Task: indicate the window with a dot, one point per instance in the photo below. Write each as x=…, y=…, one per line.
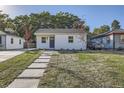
x=19, y=41
x=0, y=39
x=70, y=39
x=108, y=40
x=101, y=41
x=43, y=39
x=11, y=40
x=122, y=38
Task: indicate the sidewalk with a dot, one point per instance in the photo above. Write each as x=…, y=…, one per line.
x=30, y=77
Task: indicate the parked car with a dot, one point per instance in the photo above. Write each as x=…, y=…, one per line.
x=94, y=45
x=99, y=46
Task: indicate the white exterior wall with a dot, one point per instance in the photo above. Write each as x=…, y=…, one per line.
x=118, y=43
x=61, y=42
x=41, y=45
x=2, y=42
x=106, y=44
x=103, y=40
x=15, y=44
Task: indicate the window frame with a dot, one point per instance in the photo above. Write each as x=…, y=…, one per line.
x=121, y=40
x=20, y=41
x=70, y=39
x=43, y=39
x=108, y=40
x=12, y=41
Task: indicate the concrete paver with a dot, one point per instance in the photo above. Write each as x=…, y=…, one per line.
x=45, y=54
x=45, y=57
x=5, y=55
x=30, y=77
x=32, y=73
x=24, y=83
x=38, y=65
x=42, y=60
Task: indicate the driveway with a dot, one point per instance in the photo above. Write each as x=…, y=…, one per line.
x=5, y=55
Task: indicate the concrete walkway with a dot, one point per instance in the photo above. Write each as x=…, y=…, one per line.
x=5, y=55
x=30, y=77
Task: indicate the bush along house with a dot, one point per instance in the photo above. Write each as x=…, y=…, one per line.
x=111, y=40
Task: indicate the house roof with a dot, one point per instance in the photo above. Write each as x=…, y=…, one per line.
x=9, y=32
x=2, y=33
x=58, y=31
x=118, y=31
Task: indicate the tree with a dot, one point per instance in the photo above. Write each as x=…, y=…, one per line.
x=3, y=18
x=115, y=25
x=64, y=20
x=24, y=28
x=28, y=24
x=87, y=29
x=9, y=24
x=96, y=31
x=102, y=29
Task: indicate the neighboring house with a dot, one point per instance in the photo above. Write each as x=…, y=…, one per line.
x=111, y=40
x=10, y=40
x=61, y=39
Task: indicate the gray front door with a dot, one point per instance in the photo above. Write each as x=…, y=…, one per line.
x=52, y=42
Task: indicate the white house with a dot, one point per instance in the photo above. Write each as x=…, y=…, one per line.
x=61, y=39
x=111, y=40
x=10, y=40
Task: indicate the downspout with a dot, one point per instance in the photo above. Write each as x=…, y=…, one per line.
x=113, y=41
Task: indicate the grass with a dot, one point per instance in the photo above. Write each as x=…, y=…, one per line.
x=11, y=68
x=85, y=69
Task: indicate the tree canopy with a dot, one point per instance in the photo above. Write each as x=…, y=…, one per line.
x=115, y=25
x=26, y=25
x=102, y=29
x=105, y=28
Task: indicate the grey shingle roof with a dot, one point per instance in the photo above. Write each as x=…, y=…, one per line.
x=8, y=33
x=2, y=33
x=58, y=31
x=109, y=32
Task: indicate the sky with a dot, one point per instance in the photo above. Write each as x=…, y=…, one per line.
x=94, y=15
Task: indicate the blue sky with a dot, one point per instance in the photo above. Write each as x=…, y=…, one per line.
x=95, y=16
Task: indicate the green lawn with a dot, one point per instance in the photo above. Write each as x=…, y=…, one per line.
x=11, y=68
x=85, y=69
